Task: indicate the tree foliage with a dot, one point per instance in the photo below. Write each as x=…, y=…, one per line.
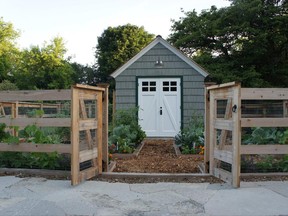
x=117, y=45
x=44, y=67
x=84, y=74
x=247, y=41
x=8, y=49
x=6, y=85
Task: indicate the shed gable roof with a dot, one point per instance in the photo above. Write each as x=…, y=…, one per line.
x=160, y=40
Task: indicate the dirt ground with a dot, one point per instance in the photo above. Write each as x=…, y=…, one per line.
x=158, y=156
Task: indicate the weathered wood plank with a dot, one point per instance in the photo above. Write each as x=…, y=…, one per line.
x=99, y=132
x=40, y=122
x=223, y=124
x=87, y=95
x=31, y=147
x=87, y=125
x=81, y=86
x=75, y=166
x=88, y=154
x=264, y=122
x=264, y=94
x=222, y=94
x=264, y=149
x=223, y=155
x=225, y=85
x=35, y=95
x=224, y=175
x=87, y=174
x=105, y=112
x=236, y=136
x=228, y=114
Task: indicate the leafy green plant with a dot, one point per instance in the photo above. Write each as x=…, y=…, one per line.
x=191, y=138
x=266, y=135
x=122, y=137
x=35, y=113
x=3, y=134
x=266, y=164
x=127, y=133
x=33, y=134
x=283, y=164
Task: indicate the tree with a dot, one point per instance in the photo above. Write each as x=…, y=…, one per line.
x=117, y=45
x=84, y=74
x=247, y=41
x=8, y=49
x=6, y=85
x=44, y=67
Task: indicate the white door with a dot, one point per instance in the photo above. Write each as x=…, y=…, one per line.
x=159, y=101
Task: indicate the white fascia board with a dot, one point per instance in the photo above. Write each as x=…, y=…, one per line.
x=182, y=56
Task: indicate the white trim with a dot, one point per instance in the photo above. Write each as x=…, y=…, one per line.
x=157, y=40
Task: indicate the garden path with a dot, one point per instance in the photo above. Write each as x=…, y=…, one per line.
x=158, y=156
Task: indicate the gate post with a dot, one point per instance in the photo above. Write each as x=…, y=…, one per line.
x=105, y=104
x=207, y=127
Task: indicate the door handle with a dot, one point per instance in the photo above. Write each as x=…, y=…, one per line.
x=160, y=110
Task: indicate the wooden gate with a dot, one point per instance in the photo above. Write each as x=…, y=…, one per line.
x=229, y=110
x=223, y=112
x=86, y=117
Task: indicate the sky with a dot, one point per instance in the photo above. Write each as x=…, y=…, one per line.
x=80, y=22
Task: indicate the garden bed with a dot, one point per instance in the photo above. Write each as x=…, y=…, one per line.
x=158, y=156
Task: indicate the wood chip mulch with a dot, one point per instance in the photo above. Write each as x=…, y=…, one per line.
x=158, y=156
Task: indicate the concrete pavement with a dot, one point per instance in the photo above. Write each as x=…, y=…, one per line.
x=38, y=196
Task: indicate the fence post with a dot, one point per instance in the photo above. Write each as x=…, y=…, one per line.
x=236, y=136
x=105, y=104
x=75, y=167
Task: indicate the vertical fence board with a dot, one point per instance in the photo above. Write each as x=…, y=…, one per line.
x=236, y=136
x=99, y=131
x=75, y=167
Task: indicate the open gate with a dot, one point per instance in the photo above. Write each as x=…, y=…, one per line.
x=87, y=129
x=223, y=132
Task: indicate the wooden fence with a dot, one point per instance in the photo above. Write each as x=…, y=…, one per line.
x=223, y=131
x=94, y=148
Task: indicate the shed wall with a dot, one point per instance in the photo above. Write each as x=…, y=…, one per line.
x=192, y=86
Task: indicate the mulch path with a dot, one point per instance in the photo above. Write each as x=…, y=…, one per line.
x=158, y=156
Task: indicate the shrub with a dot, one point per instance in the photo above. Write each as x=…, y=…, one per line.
x=6, y=85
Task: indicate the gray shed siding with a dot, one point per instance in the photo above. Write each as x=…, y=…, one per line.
x=192, y=86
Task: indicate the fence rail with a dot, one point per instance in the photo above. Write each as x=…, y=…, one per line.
x=94, y=149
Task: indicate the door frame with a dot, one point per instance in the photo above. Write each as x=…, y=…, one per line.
x=163, y=77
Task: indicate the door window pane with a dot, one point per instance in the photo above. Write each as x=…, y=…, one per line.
x=170, y=86
x=149, y=86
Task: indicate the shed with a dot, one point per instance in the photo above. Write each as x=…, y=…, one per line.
x=167, y=86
